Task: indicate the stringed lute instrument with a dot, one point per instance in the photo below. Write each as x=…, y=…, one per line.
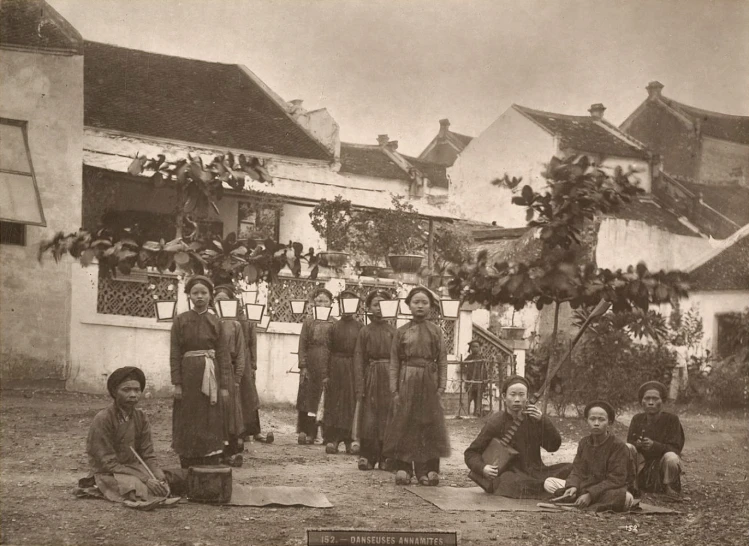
x=500, y=452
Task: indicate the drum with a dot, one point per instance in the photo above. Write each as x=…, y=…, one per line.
x=209, y=484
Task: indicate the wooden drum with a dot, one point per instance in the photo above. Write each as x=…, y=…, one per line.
x=209, y=484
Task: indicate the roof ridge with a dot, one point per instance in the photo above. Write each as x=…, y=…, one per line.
x=93, y=42
x=696, y=110
x=552, y=114
x=734, y=238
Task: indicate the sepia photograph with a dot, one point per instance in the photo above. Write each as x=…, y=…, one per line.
x=385, y=272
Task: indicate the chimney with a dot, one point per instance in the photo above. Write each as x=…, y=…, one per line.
x=444, y=126
x=382, y=140
x=295, y=105
x=596, y=110
x=654, y=89
x=392, y=145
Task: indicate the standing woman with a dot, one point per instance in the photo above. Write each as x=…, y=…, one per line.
x=340, y=395
x=248, y=388
x=371, y=369
x=200, y=370
x=233, y=339
x=416, y=431
x=313, y=365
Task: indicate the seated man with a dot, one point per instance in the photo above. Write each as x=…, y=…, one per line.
x=658, y=438
x=525, y=475
x=115, y=469
x=600, y=472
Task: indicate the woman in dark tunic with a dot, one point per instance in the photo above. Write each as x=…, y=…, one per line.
x=200, y=370
x=233, y=339
x=248, y=388
x=340, y=397
x=371, y=369
x=313, y=365
x=416, y=432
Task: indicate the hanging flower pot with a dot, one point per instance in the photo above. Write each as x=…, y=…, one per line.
x=333, y=258
x=406, y=263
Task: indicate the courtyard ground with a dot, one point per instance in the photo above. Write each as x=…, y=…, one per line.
x=42, y=442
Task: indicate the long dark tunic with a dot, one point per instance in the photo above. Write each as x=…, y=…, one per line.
x=247, y=386
x=340, y=398
x=313, y=356
x=416, y=429
x=526, y=474
x=233, y=339
x=117, y=472
x=667, y=434
x=197, y=425
x=602, y=471
x=371, y=372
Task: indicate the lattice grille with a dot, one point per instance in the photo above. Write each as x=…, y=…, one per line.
x=498, y=359
x=449, y=334
x=280, y=294
x=133, y=298
x=362, y=290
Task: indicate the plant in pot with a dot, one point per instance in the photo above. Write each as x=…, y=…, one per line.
x=396, y=234
x=332, y=220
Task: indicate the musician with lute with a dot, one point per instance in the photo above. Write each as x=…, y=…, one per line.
x=513, y=440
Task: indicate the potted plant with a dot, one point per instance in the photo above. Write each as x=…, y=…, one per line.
x=332, y=220
x=393, y=236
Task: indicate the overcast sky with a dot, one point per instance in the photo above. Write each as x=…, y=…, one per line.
x=398, y=66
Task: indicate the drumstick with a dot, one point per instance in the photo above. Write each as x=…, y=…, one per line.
x=143, y=463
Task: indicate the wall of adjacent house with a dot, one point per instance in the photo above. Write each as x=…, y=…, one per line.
x=46, y=91
x=712, y=304
x=724, y=162
x=513, y=145
x=668, y=135
x=626, y=242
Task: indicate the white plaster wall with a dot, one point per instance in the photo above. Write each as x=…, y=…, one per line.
x=296, y=225
x=626, y=242
x=712, y=304
x=46, y=91
x=512, y=144
x=323, y=127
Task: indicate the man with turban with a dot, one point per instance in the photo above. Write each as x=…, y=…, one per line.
x=115, y=432
x=655, y=440
x=525, y=475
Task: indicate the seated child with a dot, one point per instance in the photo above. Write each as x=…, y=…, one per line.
x=601, y=469
x=115, y=470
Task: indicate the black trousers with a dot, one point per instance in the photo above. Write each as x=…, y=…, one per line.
x=335, y=435
x=421, y=469
x=307, y=424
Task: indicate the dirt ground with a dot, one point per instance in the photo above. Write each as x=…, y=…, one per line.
x=42, y=446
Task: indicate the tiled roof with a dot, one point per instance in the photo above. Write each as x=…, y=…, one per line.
x=729, y=270
x=586, y=133
x=202, y=102
x=649, y=212
x=366, y=160
x=35, y=24
x=464, y=140
x=731, y=201
x=715, y=124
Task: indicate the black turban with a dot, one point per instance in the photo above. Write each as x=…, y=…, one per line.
x=652, y=385
x=512, y=380
x=120, y=375
x=608, y=408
